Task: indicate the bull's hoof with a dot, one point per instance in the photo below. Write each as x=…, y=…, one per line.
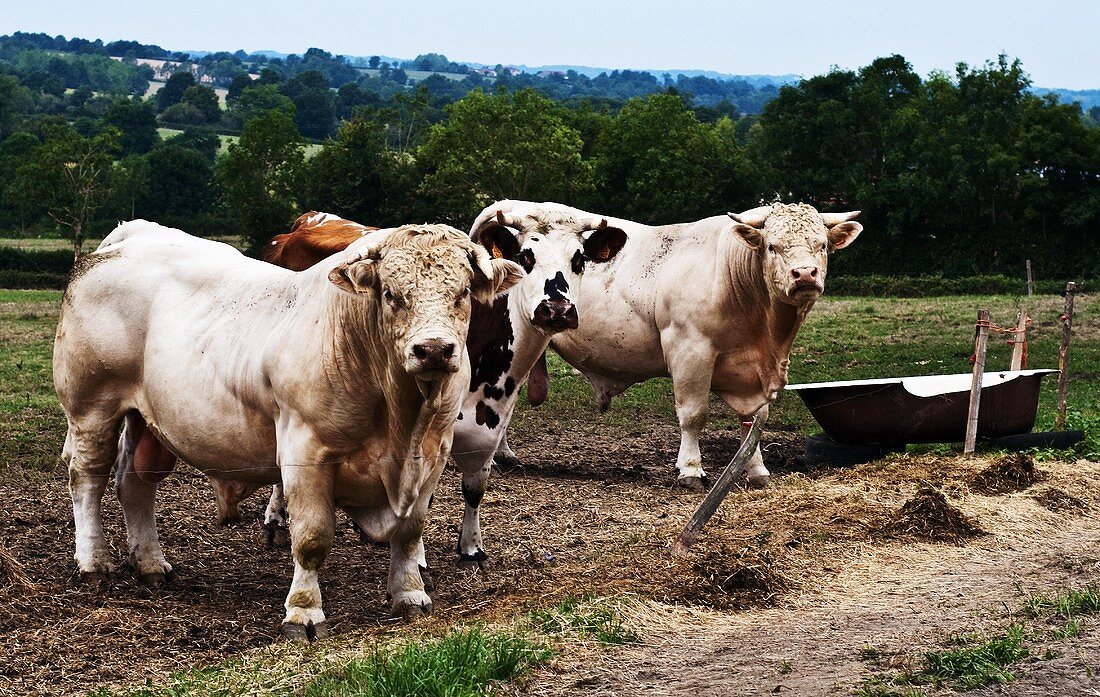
x=153, y=580
x=305, y=632
x=479, y=560
x=759, y=481
x=95, y=579
x=426, y=578
x=230, y=521
x=412, y=608
x=276, y=536
x=506, y=460
x=690, y=483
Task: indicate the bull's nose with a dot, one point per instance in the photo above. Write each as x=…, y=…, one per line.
x=555, y=314
x=434, y=354
x=804, y=274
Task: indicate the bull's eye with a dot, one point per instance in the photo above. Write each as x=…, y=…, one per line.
x=578, y=262
x=392, y=300
x=771, y=249
x=463, y=294
x=526, y=259
x=824, y=245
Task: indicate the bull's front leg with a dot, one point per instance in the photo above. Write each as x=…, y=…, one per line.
x=756, y=473
x=275, y=518
x=691, y=364
x=406, y=584
x=307, y=484
x=475, y=447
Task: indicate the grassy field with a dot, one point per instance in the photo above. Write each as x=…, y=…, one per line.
x=844, y=338
x=49, y=244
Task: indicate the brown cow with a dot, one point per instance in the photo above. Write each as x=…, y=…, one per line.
x=313, y=237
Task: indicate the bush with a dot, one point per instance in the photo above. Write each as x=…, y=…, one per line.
x=932, y=286
x=57, y=261
x=32, y=280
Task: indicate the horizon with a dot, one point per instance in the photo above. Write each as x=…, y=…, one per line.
x=1054, y=45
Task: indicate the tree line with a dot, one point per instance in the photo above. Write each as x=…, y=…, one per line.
x=958, y=173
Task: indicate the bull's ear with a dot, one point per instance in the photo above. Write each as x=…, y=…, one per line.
x=747, y=234
x=355, y=276
x=492, y=276
x=603, y=244
x=842, y=235
x=498, y=240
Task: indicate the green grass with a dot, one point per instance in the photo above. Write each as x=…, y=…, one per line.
x=1067, y=605
x=464, y=663
x=978, y=660
x=585, y=618
x=461, y=664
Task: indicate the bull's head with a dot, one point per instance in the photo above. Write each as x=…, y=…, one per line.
x=794, y=242
x=423, y=278
x=554, y=252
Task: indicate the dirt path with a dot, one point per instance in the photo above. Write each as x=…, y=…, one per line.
x=875, y=615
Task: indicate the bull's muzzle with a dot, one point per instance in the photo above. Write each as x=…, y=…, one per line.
x=556, y=315
x=432, y=356
x=806, y=282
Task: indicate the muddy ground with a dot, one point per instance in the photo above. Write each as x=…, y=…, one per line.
x=784, y=592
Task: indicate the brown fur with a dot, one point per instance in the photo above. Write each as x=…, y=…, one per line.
x=313, y=237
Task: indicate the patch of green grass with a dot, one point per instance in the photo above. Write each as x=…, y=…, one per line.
x=596, y=618
x=1066, y=605
x=461, y=664
x=978, y=660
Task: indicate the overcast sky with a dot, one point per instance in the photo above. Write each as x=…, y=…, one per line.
x=1057, y=41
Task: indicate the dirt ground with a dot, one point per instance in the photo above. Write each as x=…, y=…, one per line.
x=785, y=591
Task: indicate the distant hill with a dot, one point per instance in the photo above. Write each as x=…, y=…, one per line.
x=1086, y=98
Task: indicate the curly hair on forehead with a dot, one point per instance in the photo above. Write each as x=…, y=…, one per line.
x=787, y=216
x=424, y=237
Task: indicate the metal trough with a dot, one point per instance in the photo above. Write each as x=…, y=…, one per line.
x=922, y=409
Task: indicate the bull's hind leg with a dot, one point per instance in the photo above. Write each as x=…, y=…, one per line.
x=91, y=445
x=138, y=498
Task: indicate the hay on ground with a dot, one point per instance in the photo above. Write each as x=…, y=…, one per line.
x=928, y=516
x=1009, y=474
x=1058, y=501
x=11, y=571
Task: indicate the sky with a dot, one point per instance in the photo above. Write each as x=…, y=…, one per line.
x=1057, y=41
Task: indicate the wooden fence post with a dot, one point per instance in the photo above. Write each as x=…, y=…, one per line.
x=976, y=382
x=1030, y=280
x=1019, y=342
x=1063, y=362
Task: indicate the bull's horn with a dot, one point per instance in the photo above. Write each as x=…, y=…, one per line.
x=509, y=220
x=593, y=223
x=832, y=219
x=754, y=217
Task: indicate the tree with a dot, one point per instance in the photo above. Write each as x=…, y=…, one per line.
x=199, y=139
x=136, y=120
x=259, y=176
x=373, y=62
x=501, y=146
x=68, y=177
x=256, y=101
x=173, y=89
x=357, y=177
x=657, y=163
x=179, y=184
x=15, y=150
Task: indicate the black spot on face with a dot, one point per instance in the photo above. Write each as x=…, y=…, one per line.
x=578, y=262
x=526, y=259
x=555, y=288
x=509, y=386
x=492, y=392
x=486, y=416
x=459, y=417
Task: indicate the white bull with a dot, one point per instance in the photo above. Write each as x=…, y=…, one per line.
x=343, y=382
x=714, y=304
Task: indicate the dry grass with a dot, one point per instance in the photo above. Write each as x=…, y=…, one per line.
x=1009, y=474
